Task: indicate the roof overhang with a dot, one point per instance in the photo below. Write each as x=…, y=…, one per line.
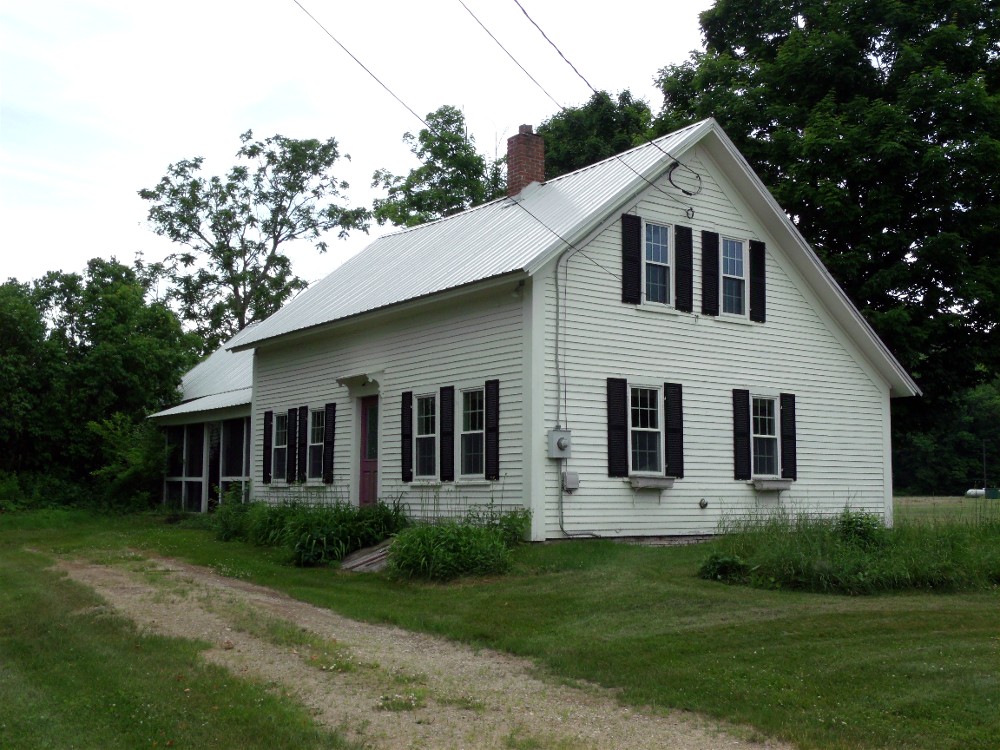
x=226, y=405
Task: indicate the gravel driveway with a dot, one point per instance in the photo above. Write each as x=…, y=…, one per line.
x=388, y=687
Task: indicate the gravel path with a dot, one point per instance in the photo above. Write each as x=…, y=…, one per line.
x=384, y=686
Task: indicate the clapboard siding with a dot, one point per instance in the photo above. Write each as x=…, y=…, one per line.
x=463, y=344
x=841, y=407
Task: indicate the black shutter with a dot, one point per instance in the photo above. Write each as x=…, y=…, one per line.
x=617, y=427
x=492, y=429
x=684, y=265
x=303, y=441
x=406, y=435
x=741, y=434
x=290, y=442
x=631, y=259
x=448, y=434
x=268, y=438
x=789, y=469
x=329, y=434
x=673, y=410
x=709, y=273
x=758, y=286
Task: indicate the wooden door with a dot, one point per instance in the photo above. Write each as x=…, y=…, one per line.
x=368, y=489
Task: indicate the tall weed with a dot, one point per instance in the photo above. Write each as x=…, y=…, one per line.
x=854, y=554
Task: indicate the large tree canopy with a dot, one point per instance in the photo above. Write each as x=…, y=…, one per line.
x=76, y=349
x=234, y=270
x=453, y=176
x=876, y=124
x=580, y=136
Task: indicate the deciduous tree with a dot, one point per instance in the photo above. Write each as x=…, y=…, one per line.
x=234, y=270
x=452, y=177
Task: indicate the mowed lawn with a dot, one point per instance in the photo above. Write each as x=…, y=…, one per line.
x=916, y=670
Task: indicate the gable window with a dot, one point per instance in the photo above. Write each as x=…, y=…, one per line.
x=472, y=440
x=657, y=263
x=280, y=443
x=645, y=431
x=317, y=432
x=426, y=437
x=733, y=277
x=764, y=427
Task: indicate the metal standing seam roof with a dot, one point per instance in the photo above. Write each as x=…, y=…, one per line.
x=224, y=378
x=481, y=243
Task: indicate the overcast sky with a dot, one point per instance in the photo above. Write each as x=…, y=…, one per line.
x=97, y=97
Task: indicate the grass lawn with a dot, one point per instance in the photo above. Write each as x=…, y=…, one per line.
x=895, y=671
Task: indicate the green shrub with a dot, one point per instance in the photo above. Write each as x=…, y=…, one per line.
x=442, y=552
x=861, y=529
x=721, y=567
x=313, y=534
x=512, y=524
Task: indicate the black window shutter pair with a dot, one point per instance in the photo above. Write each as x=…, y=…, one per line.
x=632, y=263
x=710, y=277
x=742, y=436
x=618, y=448
x=447, y=432
x=298, y=435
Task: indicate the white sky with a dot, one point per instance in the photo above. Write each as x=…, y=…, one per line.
x=97, y=97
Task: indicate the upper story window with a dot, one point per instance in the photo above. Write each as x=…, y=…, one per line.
x=317, y=428
x=425, y=444
x=733, y=277
x=471, y=441
x=645, y=430
x=657, y=263
x=280, y=449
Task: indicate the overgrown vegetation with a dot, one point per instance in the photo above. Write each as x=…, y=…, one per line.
x=853, y=553
x=313, y=534
x=479, y=545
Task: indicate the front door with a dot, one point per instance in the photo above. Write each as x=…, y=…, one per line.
x=368, y=489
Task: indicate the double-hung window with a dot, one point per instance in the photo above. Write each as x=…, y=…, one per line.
x=280, y=449
x=764, y=436
x=645, y=431
x=472, y=439
x=317, y=428
x=425, y=444
x=657, y=263
x=734, y=283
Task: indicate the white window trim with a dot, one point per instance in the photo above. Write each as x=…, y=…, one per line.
x=745, y=251
x=670, y=266
x=461, y=431
x=417, y=436
x=275, y=447
x=776, y=400
x=661, y=429
x=310, y=444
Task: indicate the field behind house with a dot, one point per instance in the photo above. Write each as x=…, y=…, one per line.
x=914, y=670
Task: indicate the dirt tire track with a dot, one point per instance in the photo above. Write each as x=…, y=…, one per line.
x=467, y=698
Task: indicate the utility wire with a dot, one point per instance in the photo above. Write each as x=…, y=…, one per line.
x=363, y=66
x=511, y=56
x=595, y=91
x=554, y=46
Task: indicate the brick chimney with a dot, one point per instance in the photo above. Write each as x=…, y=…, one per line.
x=525, y=160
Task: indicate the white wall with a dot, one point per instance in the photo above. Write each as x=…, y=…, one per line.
x=461, y=342
x=841, y=405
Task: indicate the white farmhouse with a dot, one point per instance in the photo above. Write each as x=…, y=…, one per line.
x=637, y=348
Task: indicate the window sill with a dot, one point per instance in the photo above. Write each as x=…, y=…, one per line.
x=771, y=485
x=473, y=482
x=740, y=320
x=651, y=483
x=656, y=308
